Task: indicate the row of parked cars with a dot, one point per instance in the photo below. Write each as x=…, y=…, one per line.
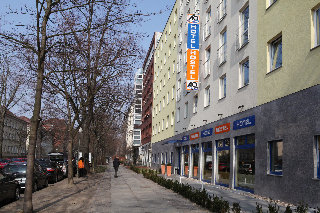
x=13, y=176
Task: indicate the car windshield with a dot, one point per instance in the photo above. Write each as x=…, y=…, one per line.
x=45, y=164
x=10, y=169
x=246, y=166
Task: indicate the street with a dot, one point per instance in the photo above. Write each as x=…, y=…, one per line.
x=102, y=192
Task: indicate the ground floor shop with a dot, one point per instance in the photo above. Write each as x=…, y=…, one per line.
x=272, y=150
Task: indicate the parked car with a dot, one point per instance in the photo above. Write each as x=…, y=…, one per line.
x=18, y=171
x=54, y=172
x=19, y=159
x=9, y=189
x=4, y=162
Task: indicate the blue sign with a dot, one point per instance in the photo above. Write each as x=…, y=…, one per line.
x=193, y=36
x=244, y=122
x=206, y=132
x=172, y=141
x=185, y=138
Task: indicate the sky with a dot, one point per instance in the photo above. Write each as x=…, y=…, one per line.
x=154, y=23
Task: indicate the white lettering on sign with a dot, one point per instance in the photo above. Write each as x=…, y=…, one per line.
x=221, y=128
x=244, y=122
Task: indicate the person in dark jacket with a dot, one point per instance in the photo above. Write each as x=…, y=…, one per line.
x=116, y=163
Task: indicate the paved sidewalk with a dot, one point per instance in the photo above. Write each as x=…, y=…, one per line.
x=130, y=192
x=247, y=200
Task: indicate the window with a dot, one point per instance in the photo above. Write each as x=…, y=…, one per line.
x=270, y=2
x=186, y=55
x=223, y=47
x=168, y=98
x=179, y=90
x=244, y=73
x=195, y=104
x=207, y=97
x=275, y=54
x=207, y=62
x=172, y=118
x=156, y=109
x=244, y=27
x=164, y=59
x=173, y=66
x=163, y=102
x=169, y=74
x=162, y=125
x=160, y=85
x=173, y=90
x=275, y=158
x=207, y=26
x=186, y=110
x=223, y=87
x=316, y=27
x=178, y=115
x=167, y=122
x=159, y=128
x=222, y=10
x=317, y=156
x=160, y=106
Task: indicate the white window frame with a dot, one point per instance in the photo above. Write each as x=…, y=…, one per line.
x=223, y=47
x=273, y=52
x=186, y=106
x=173, y=90
x=179, y=90
x=223, y=86
x=316, y=26
x=242, y=73
x=207, y=97
x=207, y=25
x=222, y=10
x=178, y=115
x=207, y=64
x=195, y=103
x=244, y=24
x=172, y=118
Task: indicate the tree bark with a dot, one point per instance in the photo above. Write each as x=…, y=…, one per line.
x=2, y=117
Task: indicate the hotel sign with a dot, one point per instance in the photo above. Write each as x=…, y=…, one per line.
x=222, y=128
x=193, y=52
x=244, y=122
x=185, y=138
x=194, y=136
x=206, y=132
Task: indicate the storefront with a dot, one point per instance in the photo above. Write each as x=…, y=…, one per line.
x=223, y=161
x=186, y=161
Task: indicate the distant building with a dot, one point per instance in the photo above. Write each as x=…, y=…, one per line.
x=14, y=136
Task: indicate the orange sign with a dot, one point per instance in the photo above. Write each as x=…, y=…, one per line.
x=192, y=69
x=194, y=136
x=222, y=128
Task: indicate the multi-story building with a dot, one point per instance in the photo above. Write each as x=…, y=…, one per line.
x=164, y=100
x=129, y=134
x=138, y=86
x=14, y=136
x=147, y=100
x=253, y=123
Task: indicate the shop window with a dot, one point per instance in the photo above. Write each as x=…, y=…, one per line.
x=186, y=160
x=195, y=160
x=275, y=157
x=207, y=161
x=223, y=161
x=245, y=162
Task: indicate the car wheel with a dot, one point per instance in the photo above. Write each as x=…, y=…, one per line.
x=35, y=187
x=17, y=194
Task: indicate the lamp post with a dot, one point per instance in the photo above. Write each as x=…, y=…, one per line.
x=80, y=131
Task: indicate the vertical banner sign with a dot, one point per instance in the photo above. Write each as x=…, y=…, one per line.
x=193, y=52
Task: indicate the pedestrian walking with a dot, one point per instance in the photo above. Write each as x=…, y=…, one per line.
x=116, y=163
x=81, y=167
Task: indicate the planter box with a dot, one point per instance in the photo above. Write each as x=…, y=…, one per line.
x=169, y=170
x=163, y=169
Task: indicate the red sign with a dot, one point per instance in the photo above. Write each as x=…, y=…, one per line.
x=222, y=128
x=194, y=136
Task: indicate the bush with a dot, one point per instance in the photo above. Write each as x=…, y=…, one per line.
x=302, y=208
x=288, y=209
x=100, y=169
x=236, y=208
x=273, y=208
x=258, y=208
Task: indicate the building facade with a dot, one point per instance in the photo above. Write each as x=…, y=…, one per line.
x=165, y=59
x=147, y=100
x=253, y=123
x=14, y=136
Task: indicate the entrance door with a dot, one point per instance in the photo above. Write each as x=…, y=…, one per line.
x=186, y=161
x=223, y=161
x=245, y=162
x=207, y=161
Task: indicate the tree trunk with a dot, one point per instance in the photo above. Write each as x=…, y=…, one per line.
x=2, y=117
x=27, y=204
x=70, y=165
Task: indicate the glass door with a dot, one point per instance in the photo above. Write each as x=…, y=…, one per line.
x=207, y=161
x=223, y=161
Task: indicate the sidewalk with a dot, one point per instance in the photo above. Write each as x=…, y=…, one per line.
x=247, y=200
x=131, y=192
